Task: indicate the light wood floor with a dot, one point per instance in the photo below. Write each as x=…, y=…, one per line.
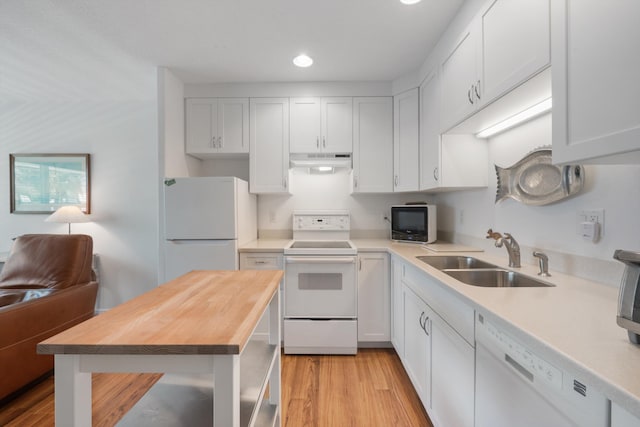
x=370, y=389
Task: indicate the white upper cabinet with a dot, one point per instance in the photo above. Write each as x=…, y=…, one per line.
x=515, y=44
x=321, y=125
x=506, y=44
x=447, y=162
x=373, y=145
x=269, y=140
x=461, y=78
x=406, y=136
x=217, y=126
x=430, y=132
x=595, y=79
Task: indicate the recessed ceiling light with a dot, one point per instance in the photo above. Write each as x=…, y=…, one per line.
x=302, y=61
x=410, y=1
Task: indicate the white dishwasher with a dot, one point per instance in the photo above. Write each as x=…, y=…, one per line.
x=516, y=387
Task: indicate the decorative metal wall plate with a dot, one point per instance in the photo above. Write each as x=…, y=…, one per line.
x=535, y=181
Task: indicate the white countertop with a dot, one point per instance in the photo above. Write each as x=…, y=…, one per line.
x=572, y=324
x=265, y=245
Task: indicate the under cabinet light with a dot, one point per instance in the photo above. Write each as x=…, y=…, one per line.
x=302, y=61
x=410, y=1
x=523, y=116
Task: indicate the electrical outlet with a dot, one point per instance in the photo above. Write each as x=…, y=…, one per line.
x=591, y=215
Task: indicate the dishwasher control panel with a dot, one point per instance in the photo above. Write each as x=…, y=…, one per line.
x=520, y=354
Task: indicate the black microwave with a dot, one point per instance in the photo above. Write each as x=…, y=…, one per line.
x=414, y=223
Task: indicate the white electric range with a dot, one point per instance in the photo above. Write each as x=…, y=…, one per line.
x=321, y=291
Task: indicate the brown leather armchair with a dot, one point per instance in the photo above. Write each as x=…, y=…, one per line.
x=46, y=286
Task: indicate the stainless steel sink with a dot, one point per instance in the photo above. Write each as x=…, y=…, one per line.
x=453, y=261
x=495, y=278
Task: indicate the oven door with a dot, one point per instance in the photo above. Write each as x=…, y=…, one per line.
x=320, y=287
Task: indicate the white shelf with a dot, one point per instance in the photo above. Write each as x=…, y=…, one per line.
x=178, y=399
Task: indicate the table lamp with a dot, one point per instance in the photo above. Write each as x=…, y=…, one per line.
x=68, y=214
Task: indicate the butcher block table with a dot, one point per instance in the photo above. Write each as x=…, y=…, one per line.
x=201, y=322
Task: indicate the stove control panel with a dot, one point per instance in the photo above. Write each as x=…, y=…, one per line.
x=321, y=221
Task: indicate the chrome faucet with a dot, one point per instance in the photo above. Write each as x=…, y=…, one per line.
x=513, y=249
x=543, y=260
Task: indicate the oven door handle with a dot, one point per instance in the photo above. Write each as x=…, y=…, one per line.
x=319, y=260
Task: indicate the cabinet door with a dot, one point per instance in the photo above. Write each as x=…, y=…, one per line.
x=374, y=319
x=430, y=132
x=417, y=345
x=305, y=125
x=202, y=125
x=596, y=94
x=460, y=78
x=269, y=145
x=452, y=376
x=337, y=125
x=233, y=125
x=397, y=308
x=373, y=147
x=515, y=44
x=264, y=261
x=406, y=136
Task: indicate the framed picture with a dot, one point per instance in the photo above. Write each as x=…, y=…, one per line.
x=41, y=183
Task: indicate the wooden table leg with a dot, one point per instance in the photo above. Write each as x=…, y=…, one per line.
x=226, y=393
x=72, y=392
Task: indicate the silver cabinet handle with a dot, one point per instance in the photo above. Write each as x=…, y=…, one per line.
x=360, y=264
x=317, y=142
x=355, y=181
x=284, y=182
x=395, y=180
x=212, y=143
x=324, y=142
x=477, y=89
x=435, y=173
x=219, y=142
x=420, y=320
x=424, y=327
x=469, y=93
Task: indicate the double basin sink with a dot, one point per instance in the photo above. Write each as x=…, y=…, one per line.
x=475, y=272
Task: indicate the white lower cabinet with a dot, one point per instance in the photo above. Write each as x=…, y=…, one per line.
x=374, y=311
x=397, y=307
x=452, y=376
x=438, y=355
x=265, y=261
x=417, y=345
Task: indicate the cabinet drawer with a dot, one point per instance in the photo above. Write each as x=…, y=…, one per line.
x=260, y=262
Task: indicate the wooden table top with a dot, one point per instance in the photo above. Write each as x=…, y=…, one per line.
x=201, y=312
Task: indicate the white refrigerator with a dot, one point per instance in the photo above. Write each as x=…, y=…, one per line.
x=206, y=219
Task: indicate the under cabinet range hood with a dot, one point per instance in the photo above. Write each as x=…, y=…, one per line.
x=320, y=162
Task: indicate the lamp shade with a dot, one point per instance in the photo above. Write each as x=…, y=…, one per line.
x=69, y=215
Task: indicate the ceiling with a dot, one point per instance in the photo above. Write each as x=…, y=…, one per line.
x=211, y=41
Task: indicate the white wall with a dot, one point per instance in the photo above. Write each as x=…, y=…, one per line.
x=171, y=114
x=329, y=192
x=551, y=227
x=64, y=90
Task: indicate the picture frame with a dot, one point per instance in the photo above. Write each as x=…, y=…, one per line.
x=42, y=183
